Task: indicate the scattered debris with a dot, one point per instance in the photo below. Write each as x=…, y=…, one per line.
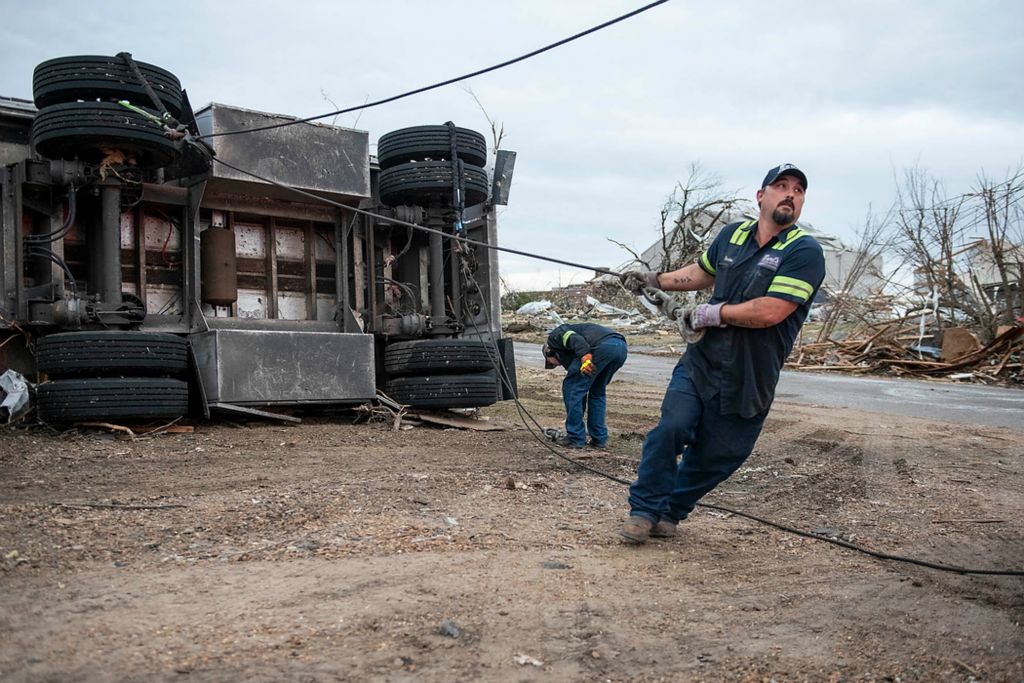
x=882, y=348
x=524, y=660
x=14, y=389
x=551, y=564
x=477, y=423
x=450, y=629
x=121, y=429
x=118, y=506
x=534, y=307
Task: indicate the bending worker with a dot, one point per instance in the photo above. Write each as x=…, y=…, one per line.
x=592, y=355
x=765, y=274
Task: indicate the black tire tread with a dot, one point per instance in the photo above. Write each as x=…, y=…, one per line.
x=414, y=183
x=438, y=356
x=82, y=129
x=90, y=77
x=430, y=142
x=103, y=399
x=445, y=391
x=111, y=352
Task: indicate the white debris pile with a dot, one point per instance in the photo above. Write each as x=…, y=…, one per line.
x=14, y=395
x=543, y=314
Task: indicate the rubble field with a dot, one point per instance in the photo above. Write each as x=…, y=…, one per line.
x=338, y=551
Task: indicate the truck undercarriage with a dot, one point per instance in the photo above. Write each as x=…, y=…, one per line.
x=155, y=260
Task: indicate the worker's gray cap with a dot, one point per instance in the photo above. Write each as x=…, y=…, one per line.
x=784, y=169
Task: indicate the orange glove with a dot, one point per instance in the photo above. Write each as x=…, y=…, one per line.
x=587, y=365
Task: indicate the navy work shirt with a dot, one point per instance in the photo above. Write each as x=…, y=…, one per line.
x=569, y=342
x=742, y=364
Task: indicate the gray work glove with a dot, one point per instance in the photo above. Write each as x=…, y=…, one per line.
x=636, y=280
x=706, y=315
x=686, y=331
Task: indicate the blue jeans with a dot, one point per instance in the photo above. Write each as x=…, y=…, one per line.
x=587, y=393
x=712, y=446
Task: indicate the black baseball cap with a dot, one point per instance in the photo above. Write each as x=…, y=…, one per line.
x=549, y=360
x=784, y=169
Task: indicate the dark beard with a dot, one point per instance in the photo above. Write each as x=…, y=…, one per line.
x=780, y=218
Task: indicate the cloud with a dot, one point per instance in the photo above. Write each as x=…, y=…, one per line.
x=607, y=125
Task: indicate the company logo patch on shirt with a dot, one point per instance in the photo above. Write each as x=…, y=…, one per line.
x=727, y=260
x=770, y=261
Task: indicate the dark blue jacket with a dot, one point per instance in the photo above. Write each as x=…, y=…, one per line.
x=572, y=342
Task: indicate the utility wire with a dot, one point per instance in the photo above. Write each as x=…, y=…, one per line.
x=479, y=72
x=458, y=238
x=505, y=378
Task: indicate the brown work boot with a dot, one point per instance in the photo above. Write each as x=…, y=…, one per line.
x=665, y=528
x=636, y=529
x=565, y=442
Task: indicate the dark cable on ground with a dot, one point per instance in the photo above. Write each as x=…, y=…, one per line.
x=546, y=444
x=782, y=527
x=479, y=72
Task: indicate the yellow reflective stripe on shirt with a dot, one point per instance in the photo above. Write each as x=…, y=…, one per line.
x=741, y=233
x=791, y=286
x=565, y=338
x=794, y=235
x=707, y=263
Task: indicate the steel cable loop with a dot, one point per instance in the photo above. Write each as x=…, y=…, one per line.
x=434, y=86
x=521, y=409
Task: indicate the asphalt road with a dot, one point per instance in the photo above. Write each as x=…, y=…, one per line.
x=958, y=403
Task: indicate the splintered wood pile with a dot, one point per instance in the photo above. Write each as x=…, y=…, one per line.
x=889, y=348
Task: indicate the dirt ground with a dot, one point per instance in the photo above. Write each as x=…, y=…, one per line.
x=333, y=551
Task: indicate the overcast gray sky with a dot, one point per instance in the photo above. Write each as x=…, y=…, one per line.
x=851, y=91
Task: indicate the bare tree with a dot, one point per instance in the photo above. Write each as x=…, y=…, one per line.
x=998, y=259
x=931, y=229
x=875, y=239
x=497, y=129
x=939, y=241
x=692, y=214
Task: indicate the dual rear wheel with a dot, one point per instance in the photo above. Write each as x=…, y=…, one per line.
x=442, y=373
x=110, y=375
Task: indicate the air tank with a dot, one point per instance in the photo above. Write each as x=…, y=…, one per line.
x=218, y=270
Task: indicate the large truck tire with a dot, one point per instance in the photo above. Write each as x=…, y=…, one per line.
x=92, y=77
x=88, y=130
x=124, y=398
x=438, y=356
x=445, y=391
x=111, y=353
x=420, y=143
x=425, y=181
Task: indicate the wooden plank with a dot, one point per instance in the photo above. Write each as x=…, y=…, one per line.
x=460, y=422
x=922, y=363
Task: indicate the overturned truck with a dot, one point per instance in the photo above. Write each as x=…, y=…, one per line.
x=156, y=260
